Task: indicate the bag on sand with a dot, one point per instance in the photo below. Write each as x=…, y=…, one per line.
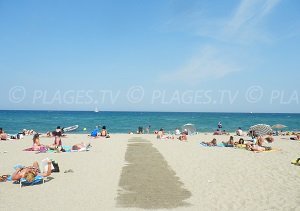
x=56, y=167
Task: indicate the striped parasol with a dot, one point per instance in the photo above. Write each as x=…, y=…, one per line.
x=261, y=129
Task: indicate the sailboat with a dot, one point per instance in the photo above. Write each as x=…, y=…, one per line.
x=96, y=110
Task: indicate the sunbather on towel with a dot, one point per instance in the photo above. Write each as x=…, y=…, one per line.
x=211, y=143
x=296, y=138
x=256, y=148
x=30, y=172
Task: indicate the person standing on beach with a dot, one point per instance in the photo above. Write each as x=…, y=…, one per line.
x=220, y=125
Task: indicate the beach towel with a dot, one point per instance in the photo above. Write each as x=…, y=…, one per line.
x=37, y=180
x=218, y=145
x=240, y=146
x=272, y=150
x=29, y=149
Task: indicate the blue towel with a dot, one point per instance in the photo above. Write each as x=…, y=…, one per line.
x=37, y=180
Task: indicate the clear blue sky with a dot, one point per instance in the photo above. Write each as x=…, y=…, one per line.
x=182, y=55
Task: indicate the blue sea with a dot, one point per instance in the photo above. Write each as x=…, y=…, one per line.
x=122, y=122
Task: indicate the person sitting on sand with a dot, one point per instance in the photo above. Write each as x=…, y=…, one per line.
x=57, y=145
x=212, y=143
x=270, y=138
x=217, y=132
x=36, y=143
x=229, y=143
x=30, y=172
x=160, y=134
x=81, y=147
x=183, y=136
x=3, y=135
x=177, y=131
x=241, y=141
x=297, y=138
x=103, y=132
x=239, y=132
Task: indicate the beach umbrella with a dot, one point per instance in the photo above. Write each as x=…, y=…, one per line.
x=278, y=126
x=261, y=129
x=191, y=129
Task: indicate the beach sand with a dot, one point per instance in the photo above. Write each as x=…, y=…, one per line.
x=138, y=172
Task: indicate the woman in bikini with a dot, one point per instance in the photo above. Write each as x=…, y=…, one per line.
x=36, y=143
x=229, y=143
x=57, y=142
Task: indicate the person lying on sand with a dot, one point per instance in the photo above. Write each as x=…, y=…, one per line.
x=255, y=148
x=81, y=147
x=211, y=143
x=296, y=138
x=30, y=172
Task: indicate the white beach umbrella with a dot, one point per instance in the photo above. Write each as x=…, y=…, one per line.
x=261, y=129
x=191, y=129
x=278, y=126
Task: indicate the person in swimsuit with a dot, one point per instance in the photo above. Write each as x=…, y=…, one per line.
x=36, y=143
x=81, y=147
x=255, y=148
x=103, y=132
x=57, y=142
x=211, y=143
x=229, y=143
x=30, y=172
x=296, y=138
x=3, y=135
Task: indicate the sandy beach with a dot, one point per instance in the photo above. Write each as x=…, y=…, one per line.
x=138, y=172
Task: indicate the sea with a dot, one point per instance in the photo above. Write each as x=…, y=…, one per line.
x=13, y=122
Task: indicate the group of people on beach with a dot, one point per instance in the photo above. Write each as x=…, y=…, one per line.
x=255, y=144
x=4, y=136
x=57, y=144
x=182, y=136
x=100, y=133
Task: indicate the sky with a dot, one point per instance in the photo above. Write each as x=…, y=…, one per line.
x=140, y=55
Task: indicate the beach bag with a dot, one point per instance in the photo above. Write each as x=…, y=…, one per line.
x=56, y=167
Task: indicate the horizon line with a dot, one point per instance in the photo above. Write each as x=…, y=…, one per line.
x=239, y=112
